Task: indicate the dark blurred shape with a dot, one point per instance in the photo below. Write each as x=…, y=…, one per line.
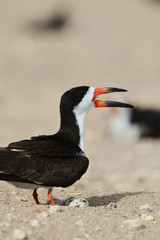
x=135, y=123
x=148, y=120
x=153, y=2
x=55, y=22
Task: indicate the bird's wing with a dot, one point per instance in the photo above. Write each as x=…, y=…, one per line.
x=48, y=146
x=35, y=160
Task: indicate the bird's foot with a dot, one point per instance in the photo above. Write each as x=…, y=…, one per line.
x=49, y=195
x=35, y=195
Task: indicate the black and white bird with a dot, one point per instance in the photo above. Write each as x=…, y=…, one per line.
x=56, y=160
x=133, y=124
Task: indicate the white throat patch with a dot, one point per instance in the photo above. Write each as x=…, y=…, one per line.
x=81, y=111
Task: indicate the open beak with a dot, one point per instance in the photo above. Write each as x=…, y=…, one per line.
x=99, y=103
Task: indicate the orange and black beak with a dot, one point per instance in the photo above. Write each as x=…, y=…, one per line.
x=99, y=103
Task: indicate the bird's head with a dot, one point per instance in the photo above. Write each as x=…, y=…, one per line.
x=75, y=105
x=84, y=98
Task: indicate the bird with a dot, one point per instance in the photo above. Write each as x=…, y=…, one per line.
x=57, y=160
x=134, y=123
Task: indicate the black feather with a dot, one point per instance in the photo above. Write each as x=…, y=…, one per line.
x=148, y=120
x=44, y=159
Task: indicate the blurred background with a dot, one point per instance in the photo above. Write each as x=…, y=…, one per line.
x=47, y=47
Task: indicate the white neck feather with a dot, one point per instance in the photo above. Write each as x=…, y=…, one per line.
x=80, y=112
x=81, y=123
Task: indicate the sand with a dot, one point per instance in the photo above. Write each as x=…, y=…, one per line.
x=104, y=43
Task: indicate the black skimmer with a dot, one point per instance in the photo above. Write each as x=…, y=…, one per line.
x=135, y=123
x=56, y=160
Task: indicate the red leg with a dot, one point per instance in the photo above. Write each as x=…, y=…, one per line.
x=35, y=195
x=50, y=196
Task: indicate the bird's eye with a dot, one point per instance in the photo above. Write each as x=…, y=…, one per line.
x=82, y=93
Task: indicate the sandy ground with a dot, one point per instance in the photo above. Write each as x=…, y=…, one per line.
x=104, y=43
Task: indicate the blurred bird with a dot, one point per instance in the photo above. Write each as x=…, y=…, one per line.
x=56, y=160
x=135, y=123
